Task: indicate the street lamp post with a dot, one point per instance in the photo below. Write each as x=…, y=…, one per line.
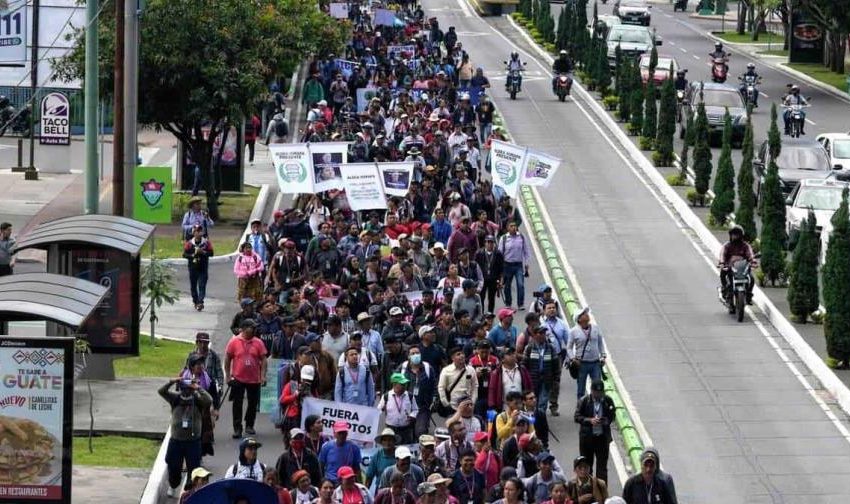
x=91, y=101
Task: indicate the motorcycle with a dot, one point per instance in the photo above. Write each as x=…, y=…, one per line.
x=563, y=86
x=16, y=122
x=718, y=70
x=750, y=91
x=795, y=119
x=513, y=81
x=680, y=101
x=735, y=297
x=681, y=5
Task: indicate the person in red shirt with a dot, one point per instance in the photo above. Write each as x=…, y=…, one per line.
x=252, y=126
x=486, y=461
x=245, y=372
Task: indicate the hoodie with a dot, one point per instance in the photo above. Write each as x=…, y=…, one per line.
x=242, y=469
x=660, y=490
x=663, y=476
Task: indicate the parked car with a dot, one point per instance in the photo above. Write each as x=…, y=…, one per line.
x=633, y=41
x=717, y=98
x=822, y=196
x=837, y=147
x=633, y=11
x=799, y=159
x=662, y=70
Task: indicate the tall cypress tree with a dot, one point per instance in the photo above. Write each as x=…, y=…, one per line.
x=745, y=214
x=666, y=124
x=562, y=38
x=702, y=152
x=650, y=112
x=624, y=86
x=690, y=131
x=836, y=286
x=724, y=180
x=803, y=276
x=772, y=225
x=774, y=139
x=603, y=83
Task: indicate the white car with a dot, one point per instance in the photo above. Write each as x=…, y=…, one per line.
x=822, y=196
x=837, y=145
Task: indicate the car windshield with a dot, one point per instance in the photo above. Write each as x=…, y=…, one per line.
x=803, y=158
x=629, y=36
x=721, y=99
x=662, y=66
x=841, y=149
x=819, y=198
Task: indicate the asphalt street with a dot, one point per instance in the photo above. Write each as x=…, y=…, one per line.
x=732, y=421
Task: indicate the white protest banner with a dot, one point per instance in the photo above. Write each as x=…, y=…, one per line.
x=13, y=33
x=339, y=10
x=345, y=66
x=384, y=17
x=293, y=167
x=364, y=96
x=507, y=161
x=539, y=169
x=396, y=177
x=328, y=158
x=363, y=421
x=363, y=188
x=401, y=51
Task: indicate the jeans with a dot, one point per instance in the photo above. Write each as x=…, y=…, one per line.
x=5, y=269
x=595, y=447
x=197, y=181
x=423, y=422
x=542, y=390
x=176, y=453
x=198, y=283
x=486, y=129
x=592, y=369
x=237, y=391
x=514, y=270
x=556, y=390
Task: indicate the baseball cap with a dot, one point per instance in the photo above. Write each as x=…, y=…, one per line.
x=399, y=378
x=504, y=313
x=481, y=437
x=248, y=323
x=246, y=301
x=581, y=459
x=402, y=452
x=345, y=472
x=395, y=310
x=544, y=457
x=200, y=472
x=425, y=330
x=426, y=487
x=340, y=426
x=295, y=431
x=427, y=440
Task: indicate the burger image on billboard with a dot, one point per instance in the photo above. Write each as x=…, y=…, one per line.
x=55, y=120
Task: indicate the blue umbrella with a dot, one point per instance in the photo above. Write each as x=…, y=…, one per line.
x=228, y=490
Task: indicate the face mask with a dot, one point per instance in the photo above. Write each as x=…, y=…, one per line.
x=298, y=444
x=416, y=359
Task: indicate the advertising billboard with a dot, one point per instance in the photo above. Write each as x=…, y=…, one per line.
x=806, y=39
x=152, y=194
x=13, y=33
x=55, y=120
x=36, y=416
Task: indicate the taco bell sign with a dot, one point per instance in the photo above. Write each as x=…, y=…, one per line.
x=55, y=120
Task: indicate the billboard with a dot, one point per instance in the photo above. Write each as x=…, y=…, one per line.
x=36, y=415
x=113, y=327
x=152, y=194
x=55, y=120
x=230, y=162
x=807, y=39
x=13, y=33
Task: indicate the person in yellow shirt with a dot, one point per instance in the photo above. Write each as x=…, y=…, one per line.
x=506, y=420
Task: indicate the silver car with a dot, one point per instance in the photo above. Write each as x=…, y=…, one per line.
x=822, y=196
x=633, y=11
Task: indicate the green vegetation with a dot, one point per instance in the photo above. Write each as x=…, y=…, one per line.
x=624, y=86
x=836, y=286
x=745, y=214
x=822, y=73
x=116, y=451
x=724, y=181
x=772, y=211
x=747, y=38
x=774, y=52
x=803, y=275
x=650, y=114
x=666, y=124
x=702, y=153
x=166, y=359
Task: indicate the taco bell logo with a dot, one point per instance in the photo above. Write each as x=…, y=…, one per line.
x=55, y=120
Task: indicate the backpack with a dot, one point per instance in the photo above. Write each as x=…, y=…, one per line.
x=427, y=367
x=281, y=130
x=235, y=469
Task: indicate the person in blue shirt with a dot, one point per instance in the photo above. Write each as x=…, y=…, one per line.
x=339, y=453
x=441, y=229
x=384, y=457
x=354, y=382
x=260, y=241
x=558, y=335
x=504, y=335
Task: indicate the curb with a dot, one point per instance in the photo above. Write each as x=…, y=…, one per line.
x=157, y=481
x=828, y=379
x=256, y=213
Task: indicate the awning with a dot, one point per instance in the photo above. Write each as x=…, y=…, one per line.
x=47, y=296
x=121, y=233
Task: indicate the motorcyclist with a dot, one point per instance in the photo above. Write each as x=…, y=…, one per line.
x=720, y=53
x=794, y=98
x=751, y=72
x=514, y=64
x=681, y=83
x=735, y=249
x=562, y=65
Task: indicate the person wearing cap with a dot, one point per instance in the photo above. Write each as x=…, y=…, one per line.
x=508, y=377
x=427, y=493
x=196, y=216
x=298, y=458
x=339, y=454
x=396, y=327
x=492, y=264
x=543, y=295
x=504, y=335
x=469, y=269
x=586, y=350
x=467, y=483
x=349, y=491
x=195, y=372
x=199, y=478
x=247, y=465
x=260, y=240
x=248, y=269
x=432, y=352
x=197, y=251
x=371, y=338
x=212, y=361
x=457, y=380
x=355, y=383
x=303, y=490
x=440, y=265
x=300, y=385
x=185, y=444
x=324, y=364
x=422, y=384
x=287, y=269
x=595, y=414
x=383, y=458
x=462, y=238
x=247, y=312
x=515, y=250
x=584, y=487
x=558, y=333
x=400, y=408
x=541, y=359
x=487, y=461
x=469, y=300
x=245, y=361
x=430, y=463
x=549, y=472
x=411, y=475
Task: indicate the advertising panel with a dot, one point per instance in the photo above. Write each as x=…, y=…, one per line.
x=152, y=196
x=36, y=416
x=13, y=33
x=806, y=39
x=55, y=120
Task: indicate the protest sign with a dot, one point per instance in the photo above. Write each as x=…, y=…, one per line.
x=293, y=167
x=364, y=95
x=507, y=161
x=270, y=394
x=539, y=169
x=345, y=66
x=401, y=51
x=328, y=158
x=384, y=17
x=363, y=421
x=363, y=187
x=339, y=10
x=396, y=177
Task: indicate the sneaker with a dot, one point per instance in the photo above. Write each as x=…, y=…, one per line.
x=250, y=431
x=521, y=307
x=237, y=434
x=170, y=492
x=554, y=412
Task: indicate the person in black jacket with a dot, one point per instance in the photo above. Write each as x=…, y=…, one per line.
x=647, y=486
x=298, y=457
x=595, y=413
x=492, y=264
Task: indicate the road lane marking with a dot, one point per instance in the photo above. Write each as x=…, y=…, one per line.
x=695, y=57
x=811, y=122
x=467, y=12
x=683, y=49
x=667, y=15
x=764, y=94
x=671, y=42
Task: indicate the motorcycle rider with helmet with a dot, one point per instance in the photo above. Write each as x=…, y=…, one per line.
x=794, y=98
x=562, y=65
x=720, y=53
x=514, y=64
x=735, y=249
x=680, y=83
x=751, y=72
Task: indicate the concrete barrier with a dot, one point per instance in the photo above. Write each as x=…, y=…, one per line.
x=158, y=480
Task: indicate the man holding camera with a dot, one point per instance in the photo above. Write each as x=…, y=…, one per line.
x=198, y=250
x=245, y=371
x=187, y=407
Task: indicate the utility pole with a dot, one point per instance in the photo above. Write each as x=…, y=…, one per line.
x=91, y=100
x=118, y=115
x=131, y=99
x=31, y=173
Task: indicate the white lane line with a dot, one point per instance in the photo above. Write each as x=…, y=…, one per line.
x=667, y=15
x=695, y=57
x=467, y=11
x=811, y=122
x=671, y=42
x=683, y=49
x=687, y=232
x=764, y=94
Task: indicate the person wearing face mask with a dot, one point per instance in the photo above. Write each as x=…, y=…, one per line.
x=422, y=385
x=298, y=458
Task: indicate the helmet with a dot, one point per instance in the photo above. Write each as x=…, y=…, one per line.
x=751, y=66
x=795, y=88
x=718, y=46
x=680, y=73
x=736, y=230
x=514, y=55
x=563, y=52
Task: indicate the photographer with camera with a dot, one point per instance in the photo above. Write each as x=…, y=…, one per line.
x=197, y=251
x=293, y=394
x=184, y=446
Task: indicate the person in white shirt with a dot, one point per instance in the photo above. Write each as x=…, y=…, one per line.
x=247, y=467
x=400, y=408
x=457, y=381
x=335, y=341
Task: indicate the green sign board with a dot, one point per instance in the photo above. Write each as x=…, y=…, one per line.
x=152, y=194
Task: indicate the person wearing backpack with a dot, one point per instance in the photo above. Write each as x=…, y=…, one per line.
x=252, y=127
x=278, y=130
x=400, y=408
x=247, y=466
x=422, y=385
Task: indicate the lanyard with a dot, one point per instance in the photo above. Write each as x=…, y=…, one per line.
x=398, y=403
x=354, y=376
x=511, y=374
x=470, y=485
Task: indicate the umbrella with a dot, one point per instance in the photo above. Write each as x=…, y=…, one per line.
x=228, y=490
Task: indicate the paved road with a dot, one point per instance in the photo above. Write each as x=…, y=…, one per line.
x=732, y=421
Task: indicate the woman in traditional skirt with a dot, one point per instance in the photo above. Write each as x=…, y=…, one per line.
x=248, y=269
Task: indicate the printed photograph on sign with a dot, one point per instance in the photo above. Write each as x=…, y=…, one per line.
x=326, y=166
x=397, y=179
